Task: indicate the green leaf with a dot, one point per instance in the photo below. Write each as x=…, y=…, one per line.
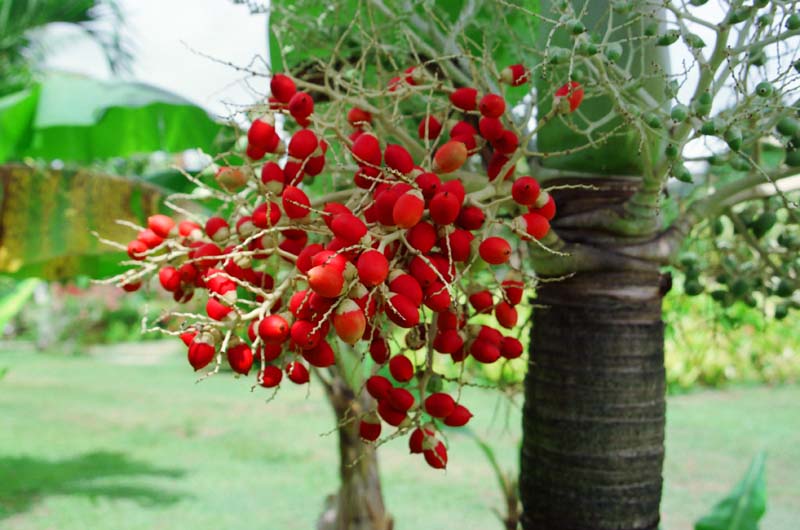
x=11, y=303
x=48, y=217
x=744, y=505
x=16, y=120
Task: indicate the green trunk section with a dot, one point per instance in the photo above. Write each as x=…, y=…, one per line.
x=47, y=216
x=647, y=65
x=593, y=422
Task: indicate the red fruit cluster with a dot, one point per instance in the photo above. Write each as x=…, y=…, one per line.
x=289, y=282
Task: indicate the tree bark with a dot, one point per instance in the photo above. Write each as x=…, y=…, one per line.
x=593, y=421
x=358, y=505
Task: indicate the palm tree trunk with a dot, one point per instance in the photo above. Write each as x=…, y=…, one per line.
x=593, y=422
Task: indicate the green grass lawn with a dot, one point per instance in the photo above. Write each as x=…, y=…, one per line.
x=95, y=443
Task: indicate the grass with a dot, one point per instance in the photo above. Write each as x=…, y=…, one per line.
x=93, y=443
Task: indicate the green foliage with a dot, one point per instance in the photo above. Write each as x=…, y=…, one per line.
x=12, y=301
x=744, y=505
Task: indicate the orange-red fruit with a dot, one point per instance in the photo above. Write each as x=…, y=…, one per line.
x=417, y=440
x=429, y=128
x=137, y=249
x=170, y=278
x=496, y=164
x=491, y=128
x=282, y=88
x=348, y=227
x=390, y=415
x=471, y=218
x=439, y=405
x=216, y=310
x=260, y=133
x=515, y=75
x=240, y=358
x=506, y=143
x=484, y=351
x=444, y=208
x=481, y=301
x=457, y=245
x=400, y=399
x=398, y=158
x=401, y=368
x=305, y=334
x=459, y=417
x=273, y=329
x=437, y=298
x=373, y=268
x=506, y=315
x=149, y=238
x=367, y=150
x=379, y=387
x=301, y=106
x=297, y=373
x=200, y=353
x=512, y=287
x=271, y=376
x=217, y=229
x=436, y=457
x=326, y=280
x=402, y=311
x=464, y=98
x=295, y=202
x=492, y=106
x=349, y=321
x=266, y=215
x=534, y=225
x=510, y=348
x=369, y=429
x=406, y=285
x=408, y=209
x=548, y=211
x=358, y=117
x=525, y=190
x=160, y=224
x=379, y=350
x=429, y=184
x=303, y=143
x=422, y=237
x=573, y=92
x=494, y=250
x=321, y=355
x=450, y=157
x=189, y=229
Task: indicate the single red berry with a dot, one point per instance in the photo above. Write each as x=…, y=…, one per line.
x=160, y=224
x=266, y=215
x=492, y=106
x=369, y=428
x=379, y=350
x=450, y=157
x=301, y=106
x=321, y=355
x=533, y=224
x=515, y=75
x=398, y=158
x=389, y=414
x=218, y=229
x=379, y=387
x=481, y=301
x=170, y=278
x=349, y=322
x=417, y=439
x=437, y=297
x=282, y=88
x=513, y=286
x=548, y=209
x=525, y=190
x=506, y=315
x=373, y=268
x=499, y=163
x=444, y=208
x=260, y=133
x=457, y=245
x=439, y=405
x=348, y=227
x=465, y=98
x=510, y=348
x=270, y=377
x=358, y=117
x=429, y=128
x=484, y=351
x=149, y=238
x=137, y=250
x=573, y=92
x=448, y=341
x=401, y=368
x=367, y=150
x=400, y=399
x=459, y=417
x=295, y=202
x=303, y=143
x=297, y=373
x=240, y=358
x=190, y=230
x=273, y=329
x=407, y=285
x=429, y=184
x=402, y=311
x=471, y=218
x=216, y=310
x=326, y=280
x=491, y=128
x=506, y=143
x=201, y=352
x=408, y=209
x=305, y=334
x=494, y=250
x=436, y=457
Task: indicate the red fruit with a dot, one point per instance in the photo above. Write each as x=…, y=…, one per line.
x=149, y=238
x=369, y=428
x=457, y=245
x=245, y=227
x=448, y=341
x=444, y=208
x=367, y=150
x=448, y=320
x=398, y=158
x=484, y=351
x=295, y=203
x=231, y=178
x=358, y=117
x=417, y=440
x=459, y=417
x=282, y=88
x=492, y=106
x=548, y=211
x=464, y=98
x=506, y=315
x=303, y=334
x=481, y=301
x=379, y=387
x=429, y=128
x=218, y=229
x=321, y=355
x=379, y=350
x=188, y=336
x=273, y=329
x=303, y=262
x=349, y=322
x=366, y=177
x=450, y=157
x=206, y=256
x=348, y=227
x=515, y=75
x=507, y=143
x=326, y=280
x=329, y=257
x=266, y=215
x=456, y=187
x=160, y=224
x=573, y=92
x=297, y=373
x=303, y=143
x=332, y=209
x=170, y=278
x=137, y=250
x=271, y=376
x=253, y=152
x=385, y=200
x=407, y=285
x=462, y=129
x=497, y=164
x=240, y=357
x=491, y=128
x=301, y=106
x=510, y=348
x=429, y=184
x=400, y=399
x=389, y=414
x=292, y=172
x=436, y=457
x=437, y=297
x=408, y=209
x=190, y=230
x=373, y=268
x=422, y=237
x=201, y=352
x=260, y=134
x=401, y=368
x=315, y=165
x=439, y=405
x=216, y=310
x=471, y=218
x=494, y=250
x=423, y=271
x=525, y=190
x=402, y=311
x=533, y=224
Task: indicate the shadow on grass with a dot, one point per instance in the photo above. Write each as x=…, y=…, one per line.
x=24, y=480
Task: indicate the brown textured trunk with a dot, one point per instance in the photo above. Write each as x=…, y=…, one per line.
x=358, y=505
x=593, y=422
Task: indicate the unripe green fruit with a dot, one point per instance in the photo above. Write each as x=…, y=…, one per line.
x=739, y=287
x=702, y=106
x=668, y=39
x=622, y=7
x=764, y=20
x=787, y=240
x=652, y=120
x=793, y=158
x=613, y=51
x=740, y=15
x=694, y=41
x=764, y=89
x=781, y=311
x=793, y=22
x=698, y=2
x=718, y=227
x=693, y=287
x=559, y=55
x=671, y=151
x=689, y=260
x=716, y=160
x=797, y=66
x=761, y=3
x=788, y=126
x=723, y=278
x=733, y=136
x=576, y=27
x=763, y=223
x=757, y=57
x=651, y=30
x=587, y=48
x=679, y=112
x=784, y=288
x=739, y=163
x=710, y=127
x=680, y=172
